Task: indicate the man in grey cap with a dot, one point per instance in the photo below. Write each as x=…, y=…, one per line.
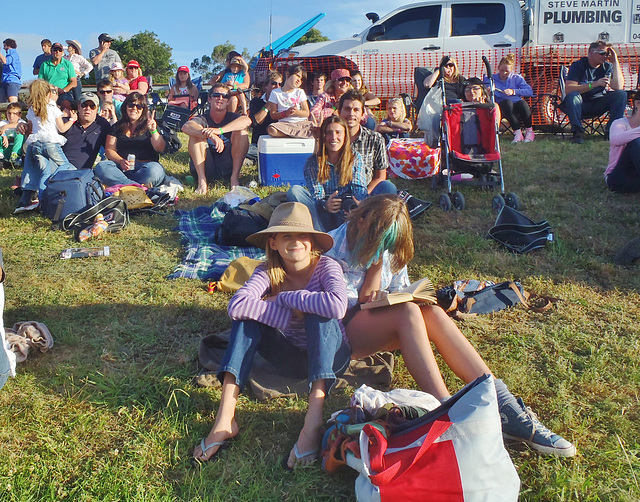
x=102, y=57
x=87, y=135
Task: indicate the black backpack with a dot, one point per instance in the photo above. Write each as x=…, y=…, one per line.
x=238, y=224
x=70, y=191
x=113, y=210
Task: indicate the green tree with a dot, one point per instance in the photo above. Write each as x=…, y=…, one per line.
x=310, y=37
x=207, y=66
x=154, y=56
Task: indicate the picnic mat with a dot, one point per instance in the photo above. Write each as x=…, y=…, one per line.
x=265, y=382
x=204, y=259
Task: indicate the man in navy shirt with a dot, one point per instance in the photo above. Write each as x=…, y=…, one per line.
x=593, y=87
x=87, y=135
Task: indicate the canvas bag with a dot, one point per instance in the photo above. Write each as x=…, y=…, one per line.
x=238, y=224
x=113, y=210
x=454, y=453
x=518, y=233
x=70, y=191
x=430, y=115
x=235, y=275
x=412, y=158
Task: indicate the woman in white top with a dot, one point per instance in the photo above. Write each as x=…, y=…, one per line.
x=80, y=65
x=288, y=105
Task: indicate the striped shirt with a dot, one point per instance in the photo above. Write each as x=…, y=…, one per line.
x=325, y=295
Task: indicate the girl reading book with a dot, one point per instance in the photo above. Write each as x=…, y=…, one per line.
x=374, y=247
x=289, y=311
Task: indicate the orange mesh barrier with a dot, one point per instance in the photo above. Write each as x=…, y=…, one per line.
x=389, y=75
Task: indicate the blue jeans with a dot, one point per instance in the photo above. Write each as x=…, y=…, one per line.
x=145, y=173
x=576, y=107
x=41, y=161
x=325, y=357
x=625, y=177
x=323, y=220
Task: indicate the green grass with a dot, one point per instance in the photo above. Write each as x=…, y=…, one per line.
x=111, y=413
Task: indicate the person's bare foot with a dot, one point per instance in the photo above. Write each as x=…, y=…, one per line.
x=234, y=182
x=202, y=188
x=219, y=433
x=307, y=447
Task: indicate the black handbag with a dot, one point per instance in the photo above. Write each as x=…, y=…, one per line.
x=518, y=233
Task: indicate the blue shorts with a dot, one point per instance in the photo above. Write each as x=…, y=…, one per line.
x=9, y=89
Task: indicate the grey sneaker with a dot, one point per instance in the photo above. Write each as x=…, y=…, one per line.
x=522, y=424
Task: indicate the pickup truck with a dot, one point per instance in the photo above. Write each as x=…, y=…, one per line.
x=544, y=36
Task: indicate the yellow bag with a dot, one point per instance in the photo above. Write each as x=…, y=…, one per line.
x=235, y=275
x=134, y=197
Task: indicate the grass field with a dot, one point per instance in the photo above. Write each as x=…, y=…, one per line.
x=111, y=413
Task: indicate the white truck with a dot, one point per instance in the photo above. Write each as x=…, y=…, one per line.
x=544, y=35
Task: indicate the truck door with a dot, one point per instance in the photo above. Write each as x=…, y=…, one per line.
x=413, y=29
x=481, y=26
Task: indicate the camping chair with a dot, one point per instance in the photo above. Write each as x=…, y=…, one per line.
x=174, y=117
x=413, y=105
x=592, y=124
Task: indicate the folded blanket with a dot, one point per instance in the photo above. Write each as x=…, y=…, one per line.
x=204, y=259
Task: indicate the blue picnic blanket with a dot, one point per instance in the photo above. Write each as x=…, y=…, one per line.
x=204, y=259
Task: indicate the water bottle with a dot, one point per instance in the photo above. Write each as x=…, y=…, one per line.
x=84, y=252
x=99, y=226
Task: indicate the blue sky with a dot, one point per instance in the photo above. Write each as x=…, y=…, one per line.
x=190, y=28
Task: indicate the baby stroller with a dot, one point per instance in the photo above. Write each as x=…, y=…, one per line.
x=471, y=150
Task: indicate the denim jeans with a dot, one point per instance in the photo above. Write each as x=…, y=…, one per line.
x=326, y=355
x=41, y=161
x=323, y=220
x=576, y=107
x=145, y=173
x=625, y=177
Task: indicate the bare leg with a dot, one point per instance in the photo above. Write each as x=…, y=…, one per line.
x=454, y=347
x=233, y=104
x=198, y=153
x=225, y=426
x=274, y=133
x=398, y=327
x=239, y=149
x=310, y=435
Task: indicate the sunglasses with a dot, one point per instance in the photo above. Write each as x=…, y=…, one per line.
x=602, y=53
x=345, y=79
x=88, y=104
x=449, y=65
x=109, y=91
x=139, y=106
x=57, y=49
x=53, y=90
x=219, y=95
x=276, y=84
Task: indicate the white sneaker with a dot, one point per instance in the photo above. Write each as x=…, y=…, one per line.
x=529, y=135
x=517, y=137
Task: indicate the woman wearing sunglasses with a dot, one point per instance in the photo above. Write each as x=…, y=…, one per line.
x=453, y=81
x=327, y=103
x=136, y=133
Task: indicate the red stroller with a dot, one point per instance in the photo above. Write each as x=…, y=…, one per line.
x=471, y=150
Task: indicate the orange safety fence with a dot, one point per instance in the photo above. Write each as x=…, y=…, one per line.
x=389, y=75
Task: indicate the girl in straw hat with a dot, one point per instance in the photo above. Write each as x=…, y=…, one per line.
x=289, y=312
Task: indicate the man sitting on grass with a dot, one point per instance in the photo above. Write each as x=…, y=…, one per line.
x=218, y=141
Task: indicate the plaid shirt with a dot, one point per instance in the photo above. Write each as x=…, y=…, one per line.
x=319, y=191
x=354, y=274
x=370, y=145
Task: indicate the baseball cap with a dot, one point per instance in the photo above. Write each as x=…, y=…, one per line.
x=89, y=96
x=105, y=37
x=57, y=45
x=340, y=73
x=184, y=68
x=133, y=64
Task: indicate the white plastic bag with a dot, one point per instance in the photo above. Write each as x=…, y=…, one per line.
x=238, y=195
x=430, y=115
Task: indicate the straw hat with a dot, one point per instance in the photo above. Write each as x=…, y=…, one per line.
x=76, y=44
x=291, y=217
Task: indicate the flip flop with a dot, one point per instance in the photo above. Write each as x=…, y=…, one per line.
x=299, y=456
x=222, y=444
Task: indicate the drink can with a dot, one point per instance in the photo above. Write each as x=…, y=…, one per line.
x=131, y=158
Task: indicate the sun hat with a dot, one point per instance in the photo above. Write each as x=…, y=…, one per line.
x=76, y=44
x=340, y=73
x=291, y=217
x=184, y=68
x=133, y=64
x=116, y=66
x=236, y=60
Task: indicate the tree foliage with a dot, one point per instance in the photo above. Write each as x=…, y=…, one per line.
x=207, y=66
x=310, y=37
x=154, y=56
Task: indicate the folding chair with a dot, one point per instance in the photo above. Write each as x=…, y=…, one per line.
x=411, y=104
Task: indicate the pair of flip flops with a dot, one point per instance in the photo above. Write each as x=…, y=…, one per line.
x=299, y=456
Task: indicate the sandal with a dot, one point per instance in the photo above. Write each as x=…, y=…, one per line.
x=299, y=456
x=222, y=444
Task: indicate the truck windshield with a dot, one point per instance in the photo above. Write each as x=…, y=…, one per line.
x=477, y=19
x=419, y=22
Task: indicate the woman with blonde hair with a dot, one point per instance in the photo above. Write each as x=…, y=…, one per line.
x=335, y=177
x=374, y=247
x=510, y=89
x=395, y=124
x=453, y=80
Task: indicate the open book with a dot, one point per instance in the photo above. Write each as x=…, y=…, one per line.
x=421, y=291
